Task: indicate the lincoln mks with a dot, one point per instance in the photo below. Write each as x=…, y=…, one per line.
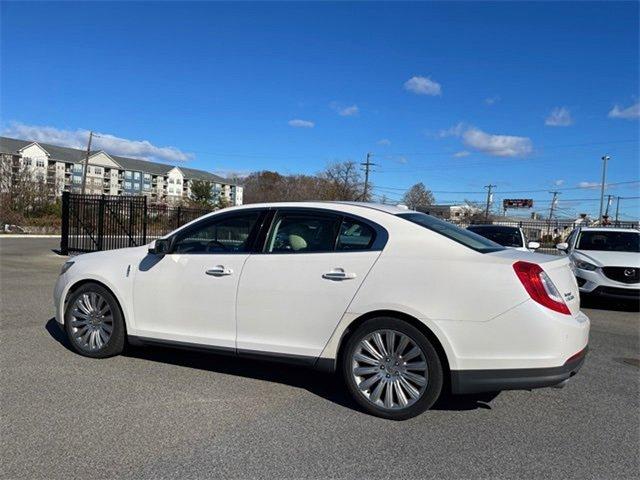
x=402, y=305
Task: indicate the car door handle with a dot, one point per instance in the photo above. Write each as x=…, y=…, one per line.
x=338, y=274
x=219, y=271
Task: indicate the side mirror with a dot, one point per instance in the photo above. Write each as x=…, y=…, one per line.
x=562, y=246
x=533, y=245
x=161, y=246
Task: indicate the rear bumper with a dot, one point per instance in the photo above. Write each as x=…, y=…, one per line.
x=476, y=381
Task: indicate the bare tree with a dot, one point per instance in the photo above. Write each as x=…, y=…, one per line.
x=344, y=181
x=418, y=196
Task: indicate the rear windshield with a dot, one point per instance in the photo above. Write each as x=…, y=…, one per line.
x=505, y=236
x=609, y=241
x=457, y=234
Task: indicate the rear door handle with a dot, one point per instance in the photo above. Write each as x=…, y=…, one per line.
x=338, y=274
x=219, y=271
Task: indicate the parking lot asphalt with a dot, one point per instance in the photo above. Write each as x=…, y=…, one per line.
x=162, y=413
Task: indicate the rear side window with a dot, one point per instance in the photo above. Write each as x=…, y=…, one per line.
x=303, y=233
x=457, y=234
x=354, y=235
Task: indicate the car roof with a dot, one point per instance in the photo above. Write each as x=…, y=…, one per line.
x=483, y=225
x=609, y=229
x=392, y=209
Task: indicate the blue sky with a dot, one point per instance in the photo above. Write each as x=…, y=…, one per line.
x=526, y=96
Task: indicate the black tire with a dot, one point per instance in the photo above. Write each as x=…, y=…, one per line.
x=430, y=392
x=115, y=344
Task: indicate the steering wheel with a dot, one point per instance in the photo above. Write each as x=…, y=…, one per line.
x=216, y=243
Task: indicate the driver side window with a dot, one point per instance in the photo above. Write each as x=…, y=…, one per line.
x=230, y=234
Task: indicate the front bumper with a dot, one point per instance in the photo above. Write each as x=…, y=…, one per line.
x=476, y=381
x=597, y=283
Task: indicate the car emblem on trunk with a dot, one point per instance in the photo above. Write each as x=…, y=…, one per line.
x=629, y=272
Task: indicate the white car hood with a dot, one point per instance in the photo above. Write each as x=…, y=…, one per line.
x=608, y=259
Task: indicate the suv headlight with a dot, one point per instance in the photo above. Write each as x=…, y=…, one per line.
x=582, y=265
x=66, y=266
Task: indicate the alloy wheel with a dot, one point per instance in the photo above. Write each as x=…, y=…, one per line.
x=91, y=321
x=389, y=369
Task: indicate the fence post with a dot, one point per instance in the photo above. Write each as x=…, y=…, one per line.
x=101, y=222
x=64, y=230
x=144, y=222
x=130, y=232
x=178, y=216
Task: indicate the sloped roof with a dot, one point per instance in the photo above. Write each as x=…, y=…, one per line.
x=74, y=155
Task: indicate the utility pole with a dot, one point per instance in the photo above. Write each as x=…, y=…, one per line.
x=489, y=198
x=605, y=159
x=617, y=209
x=367, y=165
x=606, y=210
x=554, y=200
x=86, y=163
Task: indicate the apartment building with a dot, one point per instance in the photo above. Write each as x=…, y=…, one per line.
x=107, y=174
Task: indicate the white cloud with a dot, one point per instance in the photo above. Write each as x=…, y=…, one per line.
x=385, y=142
x=454, y=131
x=627, y=113
x=492, y=100
x=423, y=86
x=589, y=185
x=349, y=111
x=559, y=117
x=462, y=153
x=498, y=145
x=298, y=123
x=557, y=183
x=142, y=149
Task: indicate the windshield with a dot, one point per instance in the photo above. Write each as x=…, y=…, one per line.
x=609, y=241
x=505, y=236
x=460, y=235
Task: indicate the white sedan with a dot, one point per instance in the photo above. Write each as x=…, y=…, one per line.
x=402, y=304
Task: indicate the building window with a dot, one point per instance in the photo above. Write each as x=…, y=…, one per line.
x=147, y=176
x=77, y=167
x=136, y=175
x=136, y=186
x=77, y=180
x=40, y=163
x=127, y=185
x=97, y=170
x=178, y=181
x=127, y=174
x=27, y=162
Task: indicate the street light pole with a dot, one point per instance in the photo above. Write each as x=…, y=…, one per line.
x=605, y=159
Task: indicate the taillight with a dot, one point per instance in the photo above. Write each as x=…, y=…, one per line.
x=540, y=287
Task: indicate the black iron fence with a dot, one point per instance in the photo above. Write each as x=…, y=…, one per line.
x=101, y=222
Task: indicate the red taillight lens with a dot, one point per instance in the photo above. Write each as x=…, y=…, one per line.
x=540, y=287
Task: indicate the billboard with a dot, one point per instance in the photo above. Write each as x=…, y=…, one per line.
x=517, y=203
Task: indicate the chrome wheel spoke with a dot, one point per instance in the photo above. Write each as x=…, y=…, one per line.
x=402, y=398
x=416, y=366
x=361, y=358
x=366, y=344
x=365, y=370
x=377, y=339
x=417, y=379
x=387, y=376
x=369, y=382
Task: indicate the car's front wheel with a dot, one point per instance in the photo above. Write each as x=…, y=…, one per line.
x=391, y=369
x=93, y=322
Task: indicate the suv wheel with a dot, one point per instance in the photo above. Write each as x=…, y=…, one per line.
x=391, y=369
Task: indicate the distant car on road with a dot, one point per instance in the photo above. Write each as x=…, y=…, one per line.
x=403, y=304
x=606, y=261
x=510, y=237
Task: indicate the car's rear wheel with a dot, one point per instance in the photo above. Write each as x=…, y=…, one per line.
x=391, y=369
x=93, y=322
